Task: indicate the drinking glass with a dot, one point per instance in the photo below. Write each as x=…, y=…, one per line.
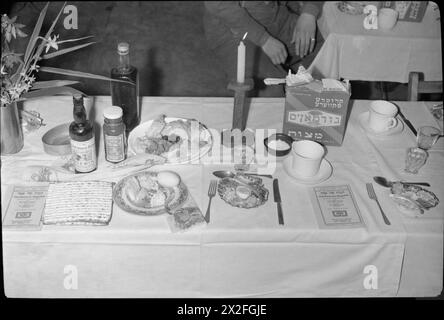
x=415, y=159
x=427, y=137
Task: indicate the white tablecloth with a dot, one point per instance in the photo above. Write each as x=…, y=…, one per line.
x=241, y=253
x=352, y=52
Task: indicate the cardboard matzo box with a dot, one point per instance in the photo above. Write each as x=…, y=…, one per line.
x=317, y=111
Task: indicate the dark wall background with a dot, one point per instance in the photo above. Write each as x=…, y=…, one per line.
x=167, y=46
x=166, y=39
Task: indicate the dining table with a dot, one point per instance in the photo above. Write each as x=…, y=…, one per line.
x=352, y=52
x=241, y=253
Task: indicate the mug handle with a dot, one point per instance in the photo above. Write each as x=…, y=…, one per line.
x=392, y=123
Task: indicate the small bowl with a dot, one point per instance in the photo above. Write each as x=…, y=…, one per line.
x=56, y=141
x=278, y=137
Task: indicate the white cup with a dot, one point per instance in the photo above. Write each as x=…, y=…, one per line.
x=387, y=18
x=307, y=156
x=382, y=116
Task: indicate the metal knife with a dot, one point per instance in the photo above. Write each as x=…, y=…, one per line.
x=277, y=199
x=407, y=122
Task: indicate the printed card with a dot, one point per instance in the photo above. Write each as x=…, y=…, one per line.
x=24, y=207
x=335, y=207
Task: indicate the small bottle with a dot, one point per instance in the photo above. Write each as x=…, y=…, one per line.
x=114, y=136
x=81, y=132
x=126, y=94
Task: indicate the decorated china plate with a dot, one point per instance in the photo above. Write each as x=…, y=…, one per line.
x=363, y=122
x=178, y=140
x=142, y=194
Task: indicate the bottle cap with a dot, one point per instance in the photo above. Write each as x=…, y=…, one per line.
x=123, y=48
x=113, y=112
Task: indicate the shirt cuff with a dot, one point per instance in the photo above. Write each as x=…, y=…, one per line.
x=312, y=9
x=263, y=39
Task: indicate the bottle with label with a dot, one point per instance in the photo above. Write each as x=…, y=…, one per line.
x=81, y=132
x=114, y=136
x=126, y=94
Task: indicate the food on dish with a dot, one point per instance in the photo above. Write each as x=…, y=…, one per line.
x=168, y=179
x=412, y=199
x=172, y=138
x=147, y=193
x=243, y=191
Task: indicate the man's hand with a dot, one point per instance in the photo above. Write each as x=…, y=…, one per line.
x=304, y=34
x=275, y=50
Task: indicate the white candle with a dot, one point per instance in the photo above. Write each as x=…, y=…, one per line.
x=241, y=61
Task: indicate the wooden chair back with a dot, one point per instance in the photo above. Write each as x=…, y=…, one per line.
x=418, y=86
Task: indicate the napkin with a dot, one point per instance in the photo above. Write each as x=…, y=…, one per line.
x=301, y=77
x=59, y=172
x=186, y=217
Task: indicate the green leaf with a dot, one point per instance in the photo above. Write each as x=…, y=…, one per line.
x=80, y=74
x=35, y=33
x=63, y=51
x=51, y=84
x=72, y=40
x=54, y=22
x=50, y=92
x=42, y=45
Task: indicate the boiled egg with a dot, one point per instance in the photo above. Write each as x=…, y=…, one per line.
x=243, y=192
x=168, y=179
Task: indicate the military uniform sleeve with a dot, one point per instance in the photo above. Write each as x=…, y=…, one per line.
x=237, y=18
x=311, y=7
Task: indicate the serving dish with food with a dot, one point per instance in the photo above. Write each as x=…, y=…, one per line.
x=150, y=193
x=412, y=200
x=243, y=191
x=178, y=140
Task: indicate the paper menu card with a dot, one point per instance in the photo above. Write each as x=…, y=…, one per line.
x=23, y=205
x=335, y=207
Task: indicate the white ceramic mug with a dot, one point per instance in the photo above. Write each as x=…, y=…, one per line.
x=307, y=156
x=382, y=116
x=387, y=18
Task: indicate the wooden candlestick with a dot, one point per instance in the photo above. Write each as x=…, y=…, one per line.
x=240, y=111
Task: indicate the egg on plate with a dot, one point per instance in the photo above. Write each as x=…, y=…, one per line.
x=168, y=179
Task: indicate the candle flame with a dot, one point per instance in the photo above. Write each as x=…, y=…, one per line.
x=245, y=35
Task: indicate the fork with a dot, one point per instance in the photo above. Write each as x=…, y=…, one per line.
x=372, y=195
x=211, y=193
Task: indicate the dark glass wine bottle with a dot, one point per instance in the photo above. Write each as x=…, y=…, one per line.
x=81, y=132
x=126, y=95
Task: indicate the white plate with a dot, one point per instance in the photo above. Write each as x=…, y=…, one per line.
x=205, y=135
x=363, y=122
x=323, y=174
x=176, y=196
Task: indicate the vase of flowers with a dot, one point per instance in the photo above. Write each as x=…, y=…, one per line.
x=18, y=73
x=11, y=130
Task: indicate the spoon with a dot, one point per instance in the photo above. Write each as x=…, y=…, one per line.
x=228, y=174
x=388, y=184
